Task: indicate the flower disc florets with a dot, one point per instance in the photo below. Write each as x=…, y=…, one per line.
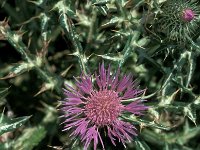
x=178, y=20
x=103, y=107
x=92, y=106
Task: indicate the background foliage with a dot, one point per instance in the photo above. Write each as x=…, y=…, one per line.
x=44, y=43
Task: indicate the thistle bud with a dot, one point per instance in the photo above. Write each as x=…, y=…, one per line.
x=188, y=15
x=178, y=20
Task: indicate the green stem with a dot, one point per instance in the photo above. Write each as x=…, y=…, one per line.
x=15, y=40
x=69, y=30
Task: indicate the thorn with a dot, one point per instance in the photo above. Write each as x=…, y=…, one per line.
x=34, y=2
x=174, y=94
x=43, y=52
x=20, y=33
x=3, y=26
x=10, y=75
x=63, y=74
x=29, y=43
x=29, y=20
x=142, y=125
x=4, y=22
x=2, y=37
x=45, y=48
x=56, y=147
x=45, y=87
x=129, y=4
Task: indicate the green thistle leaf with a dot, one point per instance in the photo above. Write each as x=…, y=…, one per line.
x=30, y=138
x=7, y=124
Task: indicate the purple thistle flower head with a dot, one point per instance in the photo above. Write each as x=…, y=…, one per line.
x=188, y=15
x=92, y=106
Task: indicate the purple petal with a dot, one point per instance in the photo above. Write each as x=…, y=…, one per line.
x=98, y=81
x=70, y=119
x=85, y=84
x=71, y=125
x=102, y=74
x=91, y=134
x=101, y=80
x=70, y=94
x=115, y=80
x=72, y=101
x=110, y=135
x=108, y=77
x=124, y=83
x=101, y=140
x=81, y=128
x=136, y=107
x=123, y=130
x=132, y=93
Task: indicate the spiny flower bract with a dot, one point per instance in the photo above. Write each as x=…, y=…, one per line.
x=92, y=106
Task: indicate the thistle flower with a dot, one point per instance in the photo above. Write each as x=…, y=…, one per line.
x=178, y=19
x=93, y=106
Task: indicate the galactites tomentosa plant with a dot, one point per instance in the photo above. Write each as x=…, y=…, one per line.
x=92, y=106
x=178, y=19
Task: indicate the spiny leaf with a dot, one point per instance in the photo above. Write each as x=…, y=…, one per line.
x=103, y=10
x=146, y=123
x=112, y=22
x=51, y=114
x=100, y=2
x=65, y=8
x=185, y=136
x=6, y=145
x=7, y=124
x=153, y=137
x=30, y=138
x=3, y=93
x=197, y=102
x=111, y=57
x=190, y=112
x=18, y=69
x=70, y=31
x=141, y=145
